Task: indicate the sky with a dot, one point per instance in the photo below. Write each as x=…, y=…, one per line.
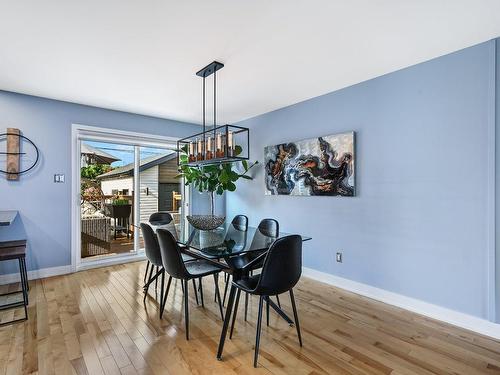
x=125, y=152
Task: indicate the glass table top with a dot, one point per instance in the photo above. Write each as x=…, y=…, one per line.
x=227, y=240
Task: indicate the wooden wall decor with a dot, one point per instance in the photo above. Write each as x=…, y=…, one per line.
x=13, y=153
x=18, y=154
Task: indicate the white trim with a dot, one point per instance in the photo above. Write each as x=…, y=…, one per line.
x=491, y=190
x=111, y=261
x=123, y=136
x=443, y=314
x=36, y=274
x=137, y=193
x=79, y=131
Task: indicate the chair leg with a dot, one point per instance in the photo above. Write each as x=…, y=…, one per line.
x=164, y=298
x=229, y=308
x=195, y=292
x=146, y=273
x=186, y=307
x=267, y=311
x=27, y=285
x=278, y=300
x=246, y=305
x=147, y=287
x=23, y=286
x=235, y=313
x=257, y=335
x=182, y=285
x=200, y=287
x=225, y=289
x=295, y=316
x=162, y=288
x=217, y=294
x=156, y=281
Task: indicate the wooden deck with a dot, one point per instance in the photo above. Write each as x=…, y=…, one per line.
x=94, y=322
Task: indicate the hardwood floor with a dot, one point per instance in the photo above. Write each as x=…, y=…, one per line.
x=94, y=322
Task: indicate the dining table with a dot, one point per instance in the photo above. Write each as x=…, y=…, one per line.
x=229, y=240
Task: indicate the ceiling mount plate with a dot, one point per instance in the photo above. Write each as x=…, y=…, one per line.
x=210, y=69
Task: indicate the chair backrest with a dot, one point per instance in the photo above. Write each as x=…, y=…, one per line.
x=269, y=227
x=171, y=254
x=282, y=266
x=160, y=218
x=240, y=222
x=151, y=246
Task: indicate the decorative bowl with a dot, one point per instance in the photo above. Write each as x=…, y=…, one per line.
x=206, y=222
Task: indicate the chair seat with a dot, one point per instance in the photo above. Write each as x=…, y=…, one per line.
x=187, y=258
x=247, y=284
x=8, y=253
x=239, y=262
x=200, y=268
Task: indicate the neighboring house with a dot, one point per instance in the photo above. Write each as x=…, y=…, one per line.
x=157, y=184
x=91, y=155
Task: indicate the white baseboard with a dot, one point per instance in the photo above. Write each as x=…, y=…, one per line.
x=110, y=261
x=456, y=318
x=36, y=274
x=63, y=270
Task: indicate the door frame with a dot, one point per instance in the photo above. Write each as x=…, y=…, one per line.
x=94, y=133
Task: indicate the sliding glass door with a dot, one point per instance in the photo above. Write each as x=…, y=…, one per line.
x=121, y=184
x=107, y=199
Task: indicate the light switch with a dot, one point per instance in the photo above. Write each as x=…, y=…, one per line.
x=59, y=178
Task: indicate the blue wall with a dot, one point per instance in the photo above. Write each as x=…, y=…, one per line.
x=45, y=206
x=418, y=225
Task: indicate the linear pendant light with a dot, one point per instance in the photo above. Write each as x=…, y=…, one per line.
x=219, y=144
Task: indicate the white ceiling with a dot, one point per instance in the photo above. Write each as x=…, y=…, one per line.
x=141, y=56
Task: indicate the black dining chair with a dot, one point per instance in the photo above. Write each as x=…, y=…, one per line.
x=173, y=265
x=152, y=250
x=160, y=218
x=268, y=227
x=153, y=254
x=240, y=222
x=157, y=218
x=281, y=271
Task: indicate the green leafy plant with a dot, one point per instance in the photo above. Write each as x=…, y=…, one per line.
x=94, y=170
x=120, y=202
x=214, y=178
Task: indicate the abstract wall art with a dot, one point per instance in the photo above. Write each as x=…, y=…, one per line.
x=316, y=166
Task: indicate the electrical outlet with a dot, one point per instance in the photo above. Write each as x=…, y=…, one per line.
x=338, y=257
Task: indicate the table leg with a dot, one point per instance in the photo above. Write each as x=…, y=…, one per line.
x=280, y=311
x=227, y=319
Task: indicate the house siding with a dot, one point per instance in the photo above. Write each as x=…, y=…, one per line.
x=168, y=171
x=107, y=186
x=148, y=200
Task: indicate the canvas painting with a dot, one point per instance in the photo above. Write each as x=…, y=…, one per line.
x=317, y=166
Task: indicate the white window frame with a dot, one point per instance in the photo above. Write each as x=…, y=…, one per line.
x=84, y=132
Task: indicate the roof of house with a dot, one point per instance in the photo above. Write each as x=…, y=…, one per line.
x=128, y=170
x=98, y=156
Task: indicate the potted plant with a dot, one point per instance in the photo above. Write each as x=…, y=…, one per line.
x=214, y=179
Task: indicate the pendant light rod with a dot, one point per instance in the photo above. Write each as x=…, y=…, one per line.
x=215, y=101
x=215, y=97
